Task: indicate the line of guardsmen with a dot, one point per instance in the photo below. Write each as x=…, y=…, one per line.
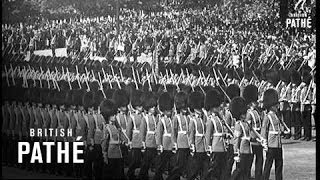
x=191, y=131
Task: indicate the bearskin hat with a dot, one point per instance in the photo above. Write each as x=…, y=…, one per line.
x=233, y=90
x=306, y=76
x=136, y=99
x=149, y=100
x=213, y=99
x=270, y=98
x=63, y=85
x=87, y=100
x=181, y=100
x=97, y=98
x=172, y=89
x=273, y=77
x=77, y=97
x=238, y=107
x=285, y=76
x=196, y=100
x=165, y=102
x=250, y=93
x=107, y=108
x=44, y=96
x=295, y=77
x=61, y=97
x=75, y=84
x=94, y=86
x=109, y=93
x=69, y=95
x=36, y=95
x=120, y=98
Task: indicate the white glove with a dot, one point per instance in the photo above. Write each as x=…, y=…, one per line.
x=192, y=148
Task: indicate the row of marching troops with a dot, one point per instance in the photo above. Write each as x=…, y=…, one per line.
x=188, y=121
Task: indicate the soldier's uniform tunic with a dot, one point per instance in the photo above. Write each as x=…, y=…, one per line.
x=242, y=145
x=111, y=150
x=254, y=118
x=133, y=133
x=215, y=138
x=271, y=132
x=197, y=138
x=163, y=138
x=148, y=131
x=180, y=133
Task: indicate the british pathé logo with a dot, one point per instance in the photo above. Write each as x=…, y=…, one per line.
x=299, y=15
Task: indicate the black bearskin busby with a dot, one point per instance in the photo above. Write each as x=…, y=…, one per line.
x=270, y=98
x=250, y=93
x=149, y=100
x=165, y=102
x=181, y=100
x=107, y=108
x=233, y=90
x=136, y=99
x=238, y=107
x=196, y=100
x=87, y=100
x=120, y=98
x=213, y=99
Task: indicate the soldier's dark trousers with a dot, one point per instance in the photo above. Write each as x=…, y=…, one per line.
x=273, y=154
x=258, y=153
x=88, y=162
x=98, y=162
x=165, y=157
x=149, y=156
x=241, y=171
x=230, y=160
x=217, y=166
x=125, y=154
x=306, y=121
x=199, y=165
x=297, y=123
x=287, y=119
x=136, y=155
x=114, y=169
x=181, y=165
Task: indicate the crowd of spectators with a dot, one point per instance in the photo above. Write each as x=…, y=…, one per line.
x=228, y=29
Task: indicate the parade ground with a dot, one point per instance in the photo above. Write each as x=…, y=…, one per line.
x=299, y=164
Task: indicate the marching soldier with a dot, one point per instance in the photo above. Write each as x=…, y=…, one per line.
x=98, y=134
x=250, y=94
x=233, y=90
x=271, y=132
x=90, y=152
x=200, y=160
x=164, y=133
x=180, y=133
x=284, y=96
x=81, y=126
x=216, y=134
x=295, y=106
x=242, y=144
x=121, y=99
x=112, y=157
x=305, y=104
x=133, y=132
x=54, y=125
x=147, y=130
